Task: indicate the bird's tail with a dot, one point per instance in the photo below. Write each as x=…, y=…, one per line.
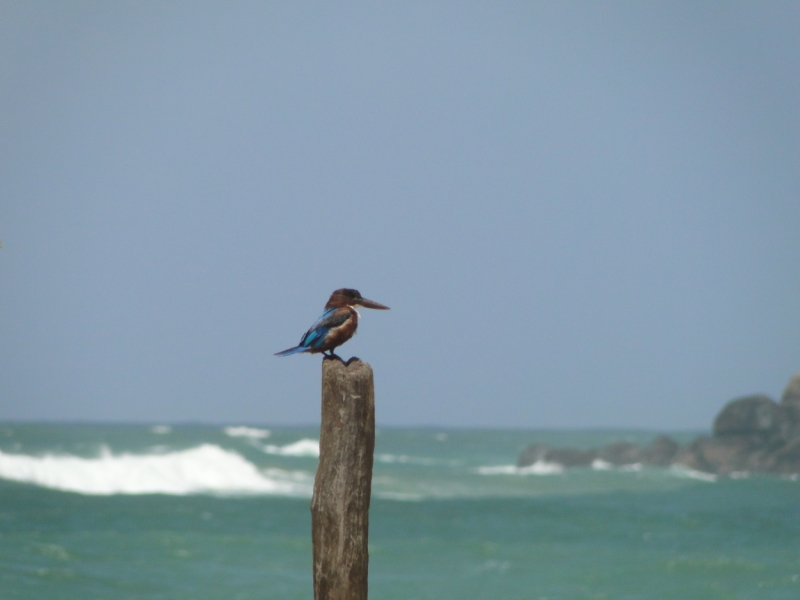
x=290, y=351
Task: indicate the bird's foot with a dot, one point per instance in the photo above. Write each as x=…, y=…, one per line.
x=333, y=356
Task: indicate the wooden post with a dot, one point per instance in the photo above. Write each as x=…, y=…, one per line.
x=340, y=505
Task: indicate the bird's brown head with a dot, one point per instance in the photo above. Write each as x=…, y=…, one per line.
x=348, y=297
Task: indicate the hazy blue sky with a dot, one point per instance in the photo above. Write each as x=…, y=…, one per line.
x=581, y=214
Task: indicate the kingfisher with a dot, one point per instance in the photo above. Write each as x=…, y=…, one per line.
x=336, y=325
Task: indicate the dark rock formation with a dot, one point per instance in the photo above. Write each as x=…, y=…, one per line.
x=660, y=452
x=571, y=457
x=532, y=454
x=621, y=453
x=749, y=416
x=792, y=392
x=787, y=458
x=750, y=434
x=723, y=456
x=790, y=410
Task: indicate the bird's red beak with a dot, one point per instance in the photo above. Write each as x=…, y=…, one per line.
x=371, y=304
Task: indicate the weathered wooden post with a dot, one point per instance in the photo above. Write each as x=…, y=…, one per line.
x=342, y=488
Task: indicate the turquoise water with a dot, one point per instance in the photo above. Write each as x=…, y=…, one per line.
x=112, y=512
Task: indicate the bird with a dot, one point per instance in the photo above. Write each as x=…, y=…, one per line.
x=336, y=325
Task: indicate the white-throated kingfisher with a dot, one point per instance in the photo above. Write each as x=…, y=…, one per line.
x=336, y=325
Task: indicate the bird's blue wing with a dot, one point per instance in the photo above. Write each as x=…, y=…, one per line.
x=330, y=319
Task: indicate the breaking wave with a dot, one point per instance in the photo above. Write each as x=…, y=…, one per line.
x=304, y=447
x=540, y=467
x=247, y=432
x=415, y=460
x=687, y=473
x=204, y=469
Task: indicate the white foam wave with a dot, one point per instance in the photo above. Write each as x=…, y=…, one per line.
x=686, y=472
x=415, y=460
x=599, y=464
x=540, y=467
x=304, y=479
x=304, y=447
x=247, y=432
x=203, y=469
x=635, y=467
x=400, y=496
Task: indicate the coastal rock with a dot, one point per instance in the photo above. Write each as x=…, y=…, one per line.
x=660, y=452
x=789, y=420
x=751, y=415
x=750, y=434
x=571, y=457
x=531, y=455
x=724, y=456
x=786, y=460
x=621, y=453
x=753, y=434
x=791, y=395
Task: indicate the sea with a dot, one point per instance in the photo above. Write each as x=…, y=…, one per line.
x=182, y=511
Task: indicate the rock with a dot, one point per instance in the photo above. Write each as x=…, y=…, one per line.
x=752, y=433
x=751, y=415
x=571, y=457
x=621, y=453
x=787, y=459
x=660, y=452
x=566, y=457
x=725, y=455
x=791, y=395
x=693, y=456
x=532, y=454
x=789, y=420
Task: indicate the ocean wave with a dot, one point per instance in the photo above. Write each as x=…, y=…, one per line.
x=632, y=468
x=304, y=447
x=247, y=432
x=415, y=460
x=686, y=472
x=400, y=496
x=205, y=469
x=540, y=467
x=161, y=429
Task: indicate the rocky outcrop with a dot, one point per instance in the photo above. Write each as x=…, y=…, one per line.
x=621, y=453
x=659, y=453
x=792, y=392
x=724, y=456
x=750, y=434
x=753, y=434
x=749, y=416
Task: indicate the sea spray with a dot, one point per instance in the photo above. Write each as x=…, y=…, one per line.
x=206, y=468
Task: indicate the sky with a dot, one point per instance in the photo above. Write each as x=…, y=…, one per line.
x=582, y=214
